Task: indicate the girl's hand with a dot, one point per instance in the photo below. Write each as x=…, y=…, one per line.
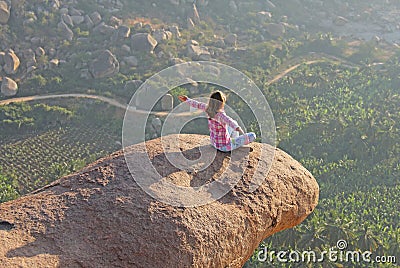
x=182, y=98
x=240, y=130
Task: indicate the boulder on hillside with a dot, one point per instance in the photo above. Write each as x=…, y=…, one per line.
x=11, y=62
x=4, y=12
x=231, y=39
x=9, y=87
x=124, y=31
x=100, y=216
x=104, y=29
x=194, y=14
x=104, y=65
x=175, y=31
x=197, y=52
x=132, y=85
x=95, y=17
x=67, y=20
x=143, y=42
x=276, y=29
x=2, y=54
x=65, y=31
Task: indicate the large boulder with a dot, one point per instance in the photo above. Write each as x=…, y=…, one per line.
x=100, y=216
x=11, y=62
x=9, y=87
x=143, y=42
x=65, y=31
x=104, y=65
x=4, y=12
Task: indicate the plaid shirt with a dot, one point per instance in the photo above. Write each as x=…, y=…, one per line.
x=219, y=135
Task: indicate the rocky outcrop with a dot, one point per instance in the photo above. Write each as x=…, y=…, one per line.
x=65, y=32
x=9, y=87
x=143, y=42
x=104, y=65
x=11, y=62
x=4, y=12
x=100, y=217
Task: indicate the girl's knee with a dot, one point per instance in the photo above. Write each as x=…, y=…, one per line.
x=252, y=136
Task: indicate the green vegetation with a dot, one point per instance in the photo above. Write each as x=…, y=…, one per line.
x=52, y=141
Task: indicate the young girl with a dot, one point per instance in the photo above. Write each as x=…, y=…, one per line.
x=220, y=124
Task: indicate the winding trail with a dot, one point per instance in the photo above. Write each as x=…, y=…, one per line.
x=110, y=101
x=113, y=102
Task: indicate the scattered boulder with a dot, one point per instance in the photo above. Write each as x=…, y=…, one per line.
x=132, y=85
x=85, y=74
x=11, y=62
x=104, y=65
x=197, y=52
x=160, y=35
x=74, y=12
x=114, y=21
x=143, y=42
x=276, y=29
x=88, y=21
x=132, y=61
x=77, y=19
x=264, y=16
x=194, y=14
x=125, y=49
x=270, y=5
x=233, y=6
x=340, y=21
x=65, y=31
x=2, y=54
x=67, y=20
x=190, y=23
x=104, y=29
x=231, y=39
x=53, y=63
x=9, y=87
x=156, y=125
x=100, y=216
x=39, y=52
x=95, y=17
x=175, y=31
x=4, y=12
x=191, y=85
x=124, y=32
x=167, y=102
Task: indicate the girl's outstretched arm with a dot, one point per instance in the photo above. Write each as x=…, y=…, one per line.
x=196, y=104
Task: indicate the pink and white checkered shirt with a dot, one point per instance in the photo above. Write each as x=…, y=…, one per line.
x=219, y=135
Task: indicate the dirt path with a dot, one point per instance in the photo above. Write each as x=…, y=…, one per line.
x=115, y=103
x=110, y=101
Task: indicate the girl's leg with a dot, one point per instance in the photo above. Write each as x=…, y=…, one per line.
x=232, y=132
x=238, y=142
x=242, y=140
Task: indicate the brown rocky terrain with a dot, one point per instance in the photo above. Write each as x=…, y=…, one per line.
x=100, y=217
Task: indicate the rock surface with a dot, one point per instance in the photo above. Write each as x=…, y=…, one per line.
x=143, y=42
x=104, y=65
x=100, y=217
x=9, y=87
x=4, y=12
x=11, y=62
